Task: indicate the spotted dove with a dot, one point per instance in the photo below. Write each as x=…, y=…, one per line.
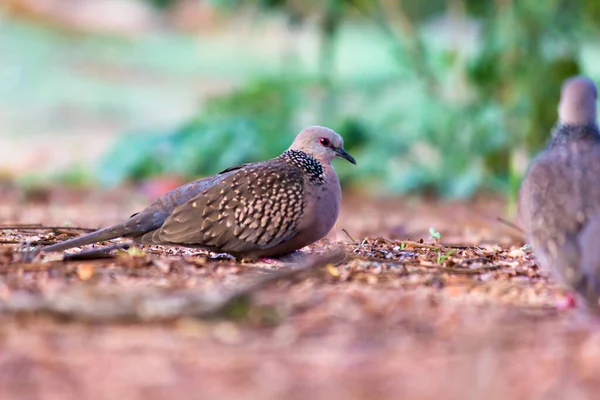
x=559, y=199
x=263, y=209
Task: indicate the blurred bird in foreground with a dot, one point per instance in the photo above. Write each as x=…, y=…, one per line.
x=559, y=199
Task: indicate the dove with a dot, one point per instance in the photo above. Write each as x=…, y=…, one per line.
x=559, y=198
x=255, y=210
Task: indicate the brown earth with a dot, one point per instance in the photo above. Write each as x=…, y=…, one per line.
x=469, y=317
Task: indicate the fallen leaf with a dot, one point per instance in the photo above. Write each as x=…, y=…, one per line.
x=333, y=271
x=85, y=271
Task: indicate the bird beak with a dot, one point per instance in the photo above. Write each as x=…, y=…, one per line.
x=344, y=154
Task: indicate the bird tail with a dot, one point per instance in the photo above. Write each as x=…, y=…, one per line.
x=100, y=235
x=589, y=283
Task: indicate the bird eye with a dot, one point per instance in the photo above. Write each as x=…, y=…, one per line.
x=324, y=142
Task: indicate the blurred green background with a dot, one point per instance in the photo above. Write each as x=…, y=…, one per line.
x=444, y=97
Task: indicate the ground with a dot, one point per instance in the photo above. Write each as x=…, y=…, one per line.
x=397, y=315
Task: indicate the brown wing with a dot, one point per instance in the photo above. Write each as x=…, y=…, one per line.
x=256, y=207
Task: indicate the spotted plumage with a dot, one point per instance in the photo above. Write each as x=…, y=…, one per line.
x=311, y=167
x=563, y=134
x=258, y=206
x=267, y=208
x=559, y=199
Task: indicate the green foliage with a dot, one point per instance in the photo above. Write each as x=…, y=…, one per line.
x=523, y=61
x=248, y=125
x=433, y=234
x=442, y=257
x=255, y=122
x=443, y=120
x=161, y=4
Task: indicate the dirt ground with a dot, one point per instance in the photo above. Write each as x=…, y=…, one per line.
x=470, y=317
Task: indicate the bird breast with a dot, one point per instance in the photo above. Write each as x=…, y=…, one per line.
x=325, y=205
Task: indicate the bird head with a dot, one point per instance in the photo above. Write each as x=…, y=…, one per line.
x=578, y=101
x=321, y=143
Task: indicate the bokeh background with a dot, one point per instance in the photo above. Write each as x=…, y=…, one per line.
x=443, y=97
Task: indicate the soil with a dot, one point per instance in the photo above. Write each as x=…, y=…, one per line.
x=396, y=315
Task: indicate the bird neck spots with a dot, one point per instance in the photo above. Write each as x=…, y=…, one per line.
x=565, y=133
x=308, y=164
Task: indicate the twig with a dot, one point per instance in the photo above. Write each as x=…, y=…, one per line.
x=510, y=224
x=459, y=246
x=406, y=242
x=455, y=270
x=422, y=245
x=38, y=227
x=424, y=264
x=440, y=246
x=94, y=254
x=41, y=243
x=475, y=259
x=347, y=234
